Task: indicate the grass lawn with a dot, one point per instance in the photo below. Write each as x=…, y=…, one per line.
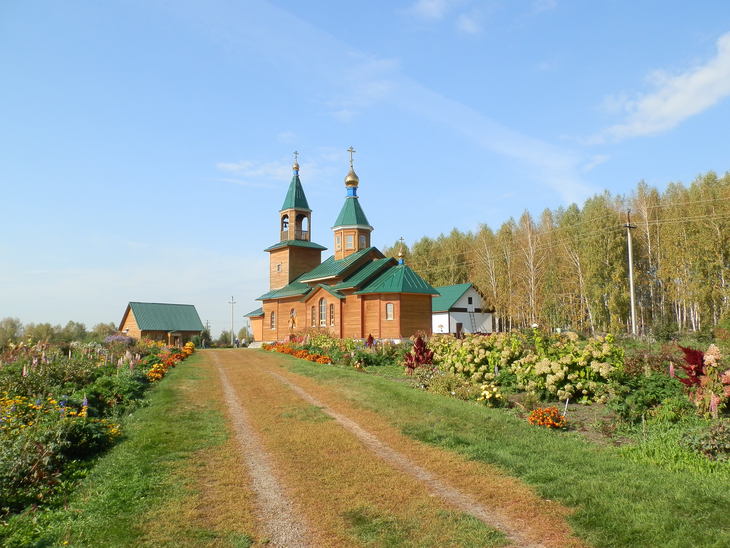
x=618, y=501
x=144, y=490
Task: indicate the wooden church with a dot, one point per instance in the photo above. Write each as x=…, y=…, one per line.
x=354, y=293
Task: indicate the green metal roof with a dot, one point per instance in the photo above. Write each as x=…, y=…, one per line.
x=295, y=243
x=255, y=313
x=366, y=273
x=352, y=214
x=332, y=291
x=398, y=279
x=331, y=268
x=295, y=198
x=448, y=295
x=294, y=289
x=166, y=317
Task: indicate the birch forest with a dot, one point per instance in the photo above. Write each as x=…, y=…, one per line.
x=568, y=268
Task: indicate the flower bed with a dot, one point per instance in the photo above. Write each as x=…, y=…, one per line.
x=59, y=408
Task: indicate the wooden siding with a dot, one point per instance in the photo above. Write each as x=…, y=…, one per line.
x=415, y=314
x=355, y=233
x=352, y=315
x=257, y=328
x=294, y=261
x=129, y=325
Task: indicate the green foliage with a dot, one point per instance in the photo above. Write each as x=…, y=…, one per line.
x=34, y=461
x=633, y=396
x=713, y=442
x=559, y=366
x=56, y=403
x=449, y=384
x=565, y=367
x=475, y=357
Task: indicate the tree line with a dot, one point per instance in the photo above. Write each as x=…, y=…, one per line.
x=13, y=330
x=568, y=268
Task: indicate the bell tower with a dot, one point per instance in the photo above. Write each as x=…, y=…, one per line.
x=295, y=253
x=352, y=229
x=295, y=216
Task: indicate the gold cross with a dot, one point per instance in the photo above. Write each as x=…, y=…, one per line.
x=296, y=157
x=351, y=151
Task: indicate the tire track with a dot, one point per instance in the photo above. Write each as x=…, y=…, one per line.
x=280, y=521
x=436, y=486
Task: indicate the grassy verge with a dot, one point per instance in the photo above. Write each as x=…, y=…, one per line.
x=152, y=470
x=618, y=501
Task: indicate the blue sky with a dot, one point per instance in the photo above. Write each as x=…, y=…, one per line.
x=147, y=143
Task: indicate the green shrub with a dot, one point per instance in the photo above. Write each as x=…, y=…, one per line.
x=34, y=461
x=633, y=396
x=449, y=384
x=712, y=442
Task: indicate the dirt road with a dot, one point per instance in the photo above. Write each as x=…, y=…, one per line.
x=324, y=473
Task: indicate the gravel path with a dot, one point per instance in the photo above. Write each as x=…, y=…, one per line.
x=280, y=520
x=437, y=487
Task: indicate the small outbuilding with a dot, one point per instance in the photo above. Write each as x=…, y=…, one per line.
x=460, y=309
x=173, y=324
x=256, y=319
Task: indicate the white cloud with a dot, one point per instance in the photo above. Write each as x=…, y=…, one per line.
x=257, y=170
x=595, y=161
x=674, y=99
x=431, y=9
x=318, y=165
x=469, y=23
x=539, y=6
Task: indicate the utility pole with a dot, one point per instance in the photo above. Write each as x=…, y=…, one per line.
x=629, y=227
x=232, y=302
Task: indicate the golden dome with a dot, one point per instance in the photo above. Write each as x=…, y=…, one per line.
x=295, y=167
x=352, y=179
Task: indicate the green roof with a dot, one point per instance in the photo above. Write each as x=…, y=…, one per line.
x=294, y=289
x=332, y=291
x=366, y=273
x=255, y=313
x=352, y=214
x=448, y=295
x=331, y=268
x=295, y=198
x=398, y=279
x=166, y=317
x=295, y=243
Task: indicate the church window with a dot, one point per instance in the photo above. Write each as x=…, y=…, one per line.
x=350, y=241
x=470, y=300
x=332, y=315
x=278, y=267
x=362, y=241
x=272, y=320
x=322, y=313
x=314, y=317
x=338, y=242
x=388, y=311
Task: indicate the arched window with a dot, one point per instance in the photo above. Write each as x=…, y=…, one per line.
x=302, y=227
x=285, y=223
x=332, y=315
x=314, y=317
x=272, y=320
x=322, y=312
x=389, y=311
